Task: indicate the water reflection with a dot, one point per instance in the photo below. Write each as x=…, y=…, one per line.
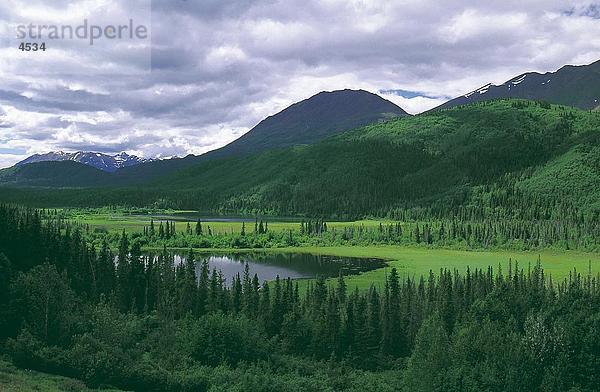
x=293, y=265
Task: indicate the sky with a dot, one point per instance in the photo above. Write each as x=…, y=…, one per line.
x=208, y=71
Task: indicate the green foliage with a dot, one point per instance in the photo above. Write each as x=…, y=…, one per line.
x=220, y=338
x=46, y=303
x=13, y=379
x=155, y=327
x=430, y=359
x=574, y=174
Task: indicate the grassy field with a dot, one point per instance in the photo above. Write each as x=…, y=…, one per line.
x=19, y=380
x=414, y=262
x=135, y=222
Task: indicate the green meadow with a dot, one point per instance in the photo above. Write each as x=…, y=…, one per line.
x=413, y=262
x=135, y=222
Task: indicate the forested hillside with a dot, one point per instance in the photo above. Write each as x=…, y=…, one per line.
x=55, y=174
x=510, y=155
x=501, y=147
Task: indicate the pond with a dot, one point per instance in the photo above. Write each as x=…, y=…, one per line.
x=269, y=265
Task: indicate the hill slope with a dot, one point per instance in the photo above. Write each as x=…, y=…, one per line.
x=54, y=174
x=577, y=86
x=311, y=120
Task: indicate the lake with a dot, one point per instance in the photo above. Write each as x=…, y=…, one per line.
x=269, y=265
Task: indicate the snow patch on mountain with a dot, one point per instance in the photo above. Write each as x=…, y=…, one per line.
x=518, y=80
x=105, y=162
x=480, y=90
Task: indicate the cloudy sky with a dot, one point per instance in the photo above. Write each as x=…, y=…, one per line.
x=209, y=70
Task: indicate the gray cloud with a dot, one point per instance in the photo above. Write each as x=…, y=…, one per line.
x=218, y=68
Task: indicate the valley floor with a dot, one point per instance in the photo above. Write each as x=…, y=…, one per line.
x=410, y=260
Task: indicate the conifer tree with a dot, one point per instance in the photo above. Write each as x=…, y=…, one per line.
x=123, y=287
x=341, y=288
x=161, y=231
x=203, y=288
x=189, y=294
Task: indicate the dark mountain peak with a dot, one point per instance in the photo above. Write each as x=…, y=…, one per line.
x=571, y=85
x=345, y=92
x=353, y=97
x=318, y=117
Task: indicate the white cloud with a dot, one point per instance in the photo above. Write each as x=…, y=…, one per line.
x=220, y=67
x=414, y=105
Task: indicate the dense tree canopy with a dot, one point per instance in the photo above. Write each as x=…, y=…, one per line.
x=150, y=324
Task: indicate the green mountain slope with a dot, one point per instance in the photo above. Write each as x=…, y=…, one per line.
x=54, y=174
x=409, y=161
x=575, y=174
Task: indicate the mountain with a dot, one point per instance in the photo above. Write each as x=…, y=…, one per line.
x=571, y=85
x=306, y=122
x=442, y=157
x=318, y=117
x=104, y=162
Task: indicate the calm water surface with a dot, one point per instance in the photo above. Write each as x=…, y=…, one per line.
x=293, y=265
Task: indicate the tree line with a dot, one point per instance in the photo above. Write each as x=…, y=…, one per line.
x=448, y=233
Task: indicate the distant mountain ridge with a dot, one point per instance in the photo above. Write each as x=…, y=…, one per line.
x=55, y=174
x=104, y=162
x=571, y=85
